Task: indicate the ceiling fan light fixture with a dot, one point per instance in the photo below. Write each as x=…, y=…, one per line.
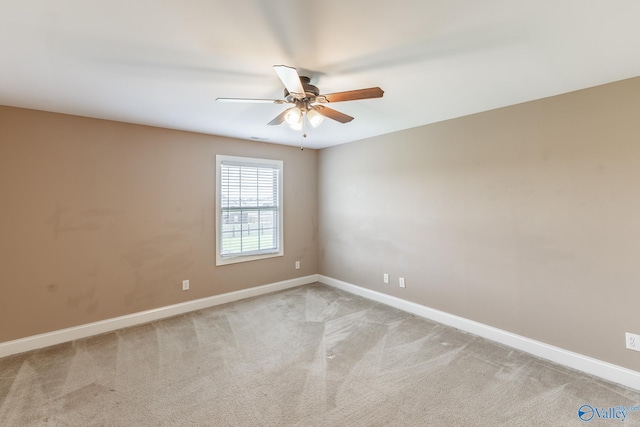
x=299, y=91
x=293, y=116
x=315, y=118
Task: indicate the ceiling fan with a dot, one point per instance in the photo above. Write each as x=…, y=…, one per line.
x=307, y=100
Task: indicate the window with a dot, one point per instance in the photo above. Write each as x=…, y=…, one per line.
x=249, y=209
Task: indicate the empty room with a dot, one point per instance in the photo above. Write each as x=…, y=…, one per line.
x=336, y=213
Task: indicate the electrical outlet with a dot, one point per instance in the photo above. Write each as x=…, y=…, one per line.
x=385, y=278
x=297, y=265
x=401, y=282
x=633, y=341
x=185, y=285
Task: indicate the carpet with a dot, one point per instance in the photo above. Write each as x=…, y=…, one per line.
x=307, y=356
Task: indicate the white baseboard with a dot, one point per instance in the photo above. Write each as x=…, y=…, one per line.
x=64, y=335
x=608, y=371
x=577, y=361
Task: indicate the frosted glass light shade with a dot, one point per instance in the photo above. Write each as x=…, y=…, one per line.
x=297, y=125
x=293, y=116
x=314, y=117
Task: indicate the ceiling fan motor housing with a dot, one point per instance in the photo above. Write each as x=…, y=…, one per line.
x=310, y=91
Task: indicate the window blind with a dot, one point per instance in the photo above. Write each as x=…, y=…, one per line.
x=250, y=208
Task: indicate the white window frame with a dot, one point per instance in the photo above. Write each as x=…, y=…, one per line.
x=249, y=162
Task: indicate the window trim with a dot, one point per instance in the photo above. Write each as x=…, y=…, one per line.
x=249, y=161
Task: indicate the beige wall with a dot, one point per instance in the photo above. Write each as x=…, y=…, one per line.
x=100, y=219
x=525, y=218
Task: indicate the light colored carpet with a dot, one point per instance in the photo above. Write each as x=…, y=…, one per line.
x=308, y=356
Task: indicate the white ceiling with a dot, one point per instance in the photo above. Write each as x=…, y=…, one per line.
x=163, y=63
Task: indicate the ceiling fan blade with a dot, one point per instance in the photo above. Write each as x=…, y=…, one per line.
x=290, y=79
x=255, y=101
x=279, y=118
x=333, y=114
x=352, y=95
